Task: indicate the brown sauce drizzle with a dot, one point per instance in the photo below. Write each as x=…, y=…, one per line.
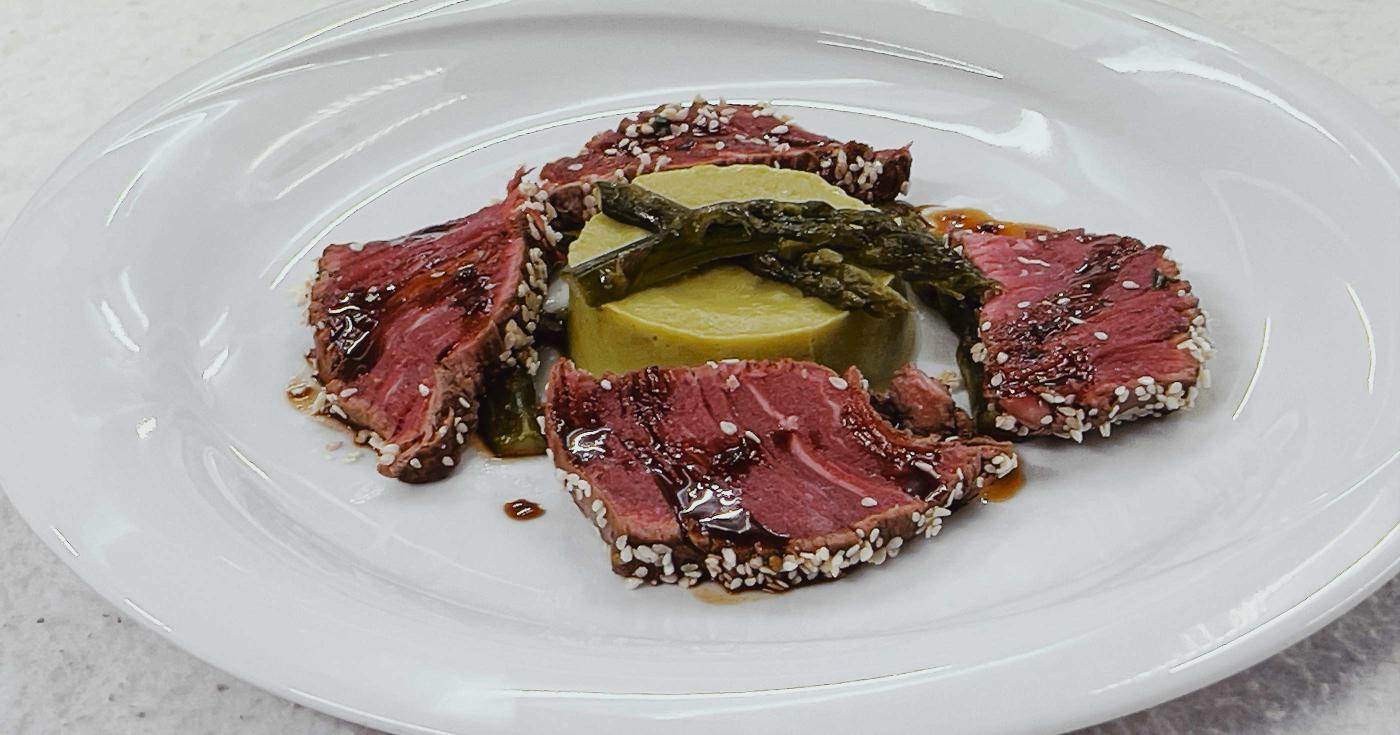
x=351, y=323
x=1006, y=488
x=301, y=394
x=945, y=221
x=715, y=594
x=706, y=490
x=522, y=510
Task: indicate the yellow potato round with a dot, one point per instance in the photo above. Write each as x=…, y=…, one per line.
x=724, y=311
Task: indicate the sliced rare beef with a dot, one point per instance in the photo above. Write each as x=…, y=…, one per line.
x=922, y=405
x=1081, y=333
x=409, y=330
x=752, y=474
x=681, y=136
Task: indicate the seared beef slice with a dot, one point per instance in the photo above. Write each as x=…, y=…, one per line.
x=407, y=330
x=753, y=474
x=922, y=405
x=1082, y=332
x=681, y=136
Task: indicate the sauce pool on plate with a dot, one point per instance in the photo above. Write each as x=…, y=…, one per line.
x=945, y=221
x=1005, y=488
x=523, y=510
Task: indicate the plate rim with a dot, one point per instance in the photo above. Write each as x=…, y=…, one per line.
x=1350, y=586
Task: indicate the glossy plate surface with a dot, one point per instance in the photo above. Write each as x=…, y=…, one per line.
x=150, y=329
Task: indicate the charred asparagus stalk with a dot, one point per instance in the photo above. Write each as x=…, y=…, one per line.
x=685, y=239
x=824, y=274
x=510, y=416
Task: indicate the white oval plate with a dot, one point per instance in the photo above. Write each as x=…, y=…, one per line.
x=149, y=333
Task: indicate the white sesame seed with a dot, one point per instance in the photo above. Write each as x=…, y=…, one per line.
x=415, y=463
x=869, y=502
x=838, y=383
x=1023, y=305
x=1130, y=285
x=1002, y=357
x=423, y=389
x=605, y=384
x=752, y=437
x=1101, y=336
x=728, y=427
x=1047, y=419
x=447, y=462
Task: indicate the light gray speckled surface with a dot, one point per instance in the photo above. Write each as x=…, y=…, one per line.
x=70, y=663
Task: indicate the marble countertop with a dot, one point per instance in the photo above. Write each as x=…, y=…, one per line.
x=71, y=663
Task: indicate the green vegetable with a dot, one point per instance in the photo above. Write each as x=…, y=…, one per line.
x=685, y=239
x=824, y=274
x=509, y=416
